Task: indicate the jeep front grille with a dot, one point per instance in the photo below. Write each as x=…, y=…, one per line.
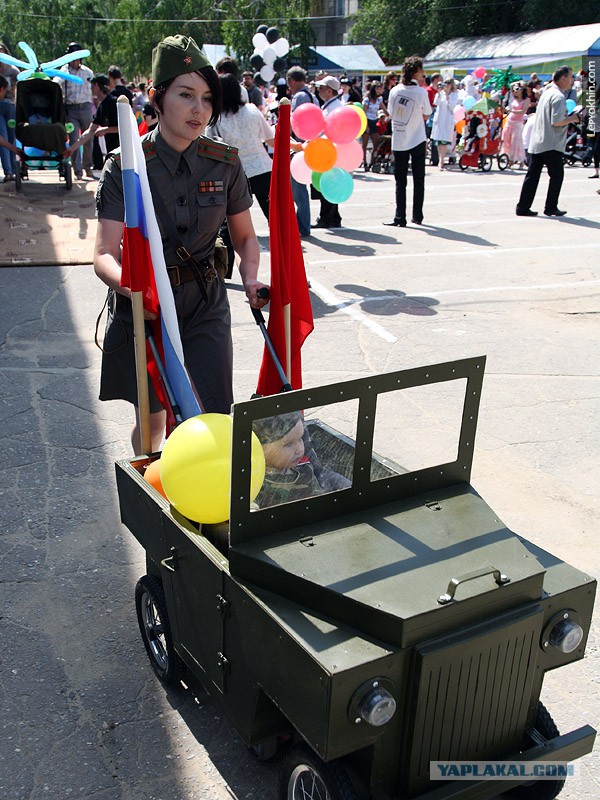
x=472, y=693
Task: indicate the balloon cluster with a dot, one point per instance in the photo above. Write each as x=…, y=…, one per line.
x=270, y=51
x=330, y=151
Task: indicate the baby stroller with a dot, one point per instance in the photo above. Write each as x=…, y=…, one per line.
x=482, y=137
x=41, y=129
x=382, y=159
x=577, y=149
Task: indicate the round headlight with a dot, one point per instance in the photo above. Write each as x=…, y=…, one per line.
x=377, y=707
x=566, y=635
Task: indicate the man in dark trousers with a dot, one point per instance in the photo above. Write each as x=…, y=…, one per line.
x=547, y=145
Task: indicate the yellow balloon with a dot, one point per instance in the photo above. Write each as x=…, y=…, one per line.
x=361, y=113
x=195, y=467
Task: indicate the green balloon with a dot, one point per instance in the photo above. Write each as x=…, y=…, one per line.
x=316, y=180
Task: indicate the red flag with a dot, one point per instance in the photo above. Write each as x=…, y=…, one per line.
x=290, y=311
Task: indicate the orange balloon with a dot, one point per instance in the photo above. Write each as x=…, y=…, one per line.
x=320, y=155
x=460, y=126
x=152, y=475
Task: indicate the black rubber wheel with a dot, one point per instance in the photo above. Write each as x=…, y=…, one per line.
x=587, y=162
x=376, y=167
x=503, y=162
x=461, y=163
x=18, y=176
x=154, y=625
x=540, y=790
x=304, y=776
x=485, y=163
x=68, y=175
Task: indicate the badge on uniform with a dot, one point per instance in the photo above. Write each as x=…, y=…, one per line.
x=211, y=186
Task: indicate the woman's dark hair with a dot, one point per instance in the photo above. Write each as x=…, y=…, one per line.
x=373, y=90
x=211, y=78
x=232, y=94
x=411, y=66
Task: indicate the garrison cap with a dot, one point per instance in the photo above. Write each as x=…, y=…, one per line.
x=176, y=55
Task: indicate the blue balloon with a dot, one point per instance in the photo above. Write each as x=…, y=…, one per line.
x=336, y=185
x=571, y=106
x=468, y=103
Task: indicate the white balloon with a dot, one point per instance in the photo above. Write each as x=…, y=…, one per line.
x=259, y=40
x=269, y=56
x=281, y=47
x=267, y=73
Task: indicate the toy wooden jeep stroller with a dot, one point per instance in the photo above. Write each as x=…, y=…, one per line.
x=41, y=125
x=381, y=629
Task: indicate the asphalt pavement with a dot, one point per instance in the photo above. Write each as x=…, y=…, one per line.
x=82, y=715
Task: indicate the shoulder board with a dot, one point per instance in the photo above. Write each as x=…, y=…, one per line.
x=147, y=146
x=219, y=151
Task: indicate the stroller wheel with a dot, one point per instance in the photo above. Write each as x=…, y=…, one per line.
x=462, y=164
x=66, y=165
x=587, y=161
x=18, y=176
x=376, y=167
x=503, y=162
x=485, y=163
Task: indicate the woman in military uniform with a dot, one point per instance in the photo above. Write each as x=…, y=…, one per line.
x=199, y=182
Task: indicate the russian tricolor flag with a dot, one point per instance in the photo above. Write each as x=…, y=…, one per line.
x=144, y=268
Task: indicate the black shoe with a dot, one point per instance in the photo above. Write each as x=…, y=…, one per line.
x=396, y=223
x=527, y=213
x=417, y=221
x=556, y=213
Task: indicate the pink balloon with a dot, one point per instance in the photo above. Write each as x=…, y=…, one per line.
x=300, y=170
x=479, y=72
x=307, y=121
x=459, y=113
x=350, y=155
x=343, y=125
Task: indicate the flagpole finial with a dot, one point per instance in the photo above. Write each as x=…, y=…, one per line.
x=122, y=99
x=284, y=101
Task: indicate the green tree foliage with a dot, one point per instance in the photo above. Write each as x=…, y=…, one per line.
x=49, y=25
x=400, y=31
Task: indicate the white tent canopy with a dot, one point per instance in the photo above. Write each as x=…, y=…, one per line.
x=517, y=49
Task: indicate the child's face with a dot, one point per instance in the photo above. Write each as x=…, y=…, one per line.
x=286, y=452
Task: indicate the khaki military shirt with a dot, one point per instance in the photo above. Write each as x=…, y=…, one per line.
x=199, y=190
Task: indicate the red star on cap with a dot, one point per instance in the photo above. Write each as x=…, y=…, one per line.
x=187, y=60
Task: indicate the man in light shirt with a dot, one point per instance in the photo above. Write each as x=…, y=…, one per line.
x=547, y=145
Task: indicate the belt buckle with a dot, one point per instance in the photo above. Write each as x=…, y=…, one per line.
x=210, y=274
x=176, y=279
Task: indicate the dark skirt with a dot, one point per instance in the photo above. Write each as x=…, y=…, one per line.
x=205, y=328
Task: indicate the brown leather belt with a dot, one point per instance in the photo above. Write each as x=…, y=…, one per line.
x=184, y=274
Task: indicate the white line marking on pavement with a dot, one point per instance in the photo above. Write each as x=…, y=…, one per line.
x=332, y=300
x=481, y=289
x=479, y=251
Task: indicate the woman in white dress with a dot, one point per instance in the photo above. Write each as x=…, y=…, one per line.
x=442, y=132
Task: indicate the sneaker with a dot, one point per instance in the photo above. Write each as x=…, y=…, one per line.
x=89, y=173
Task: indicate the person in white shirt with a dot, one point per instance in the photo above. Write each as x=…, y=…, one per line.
x=547, y=145
x=409, y=109
x=243, y=126
x=78, y=106
x=328, y=88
